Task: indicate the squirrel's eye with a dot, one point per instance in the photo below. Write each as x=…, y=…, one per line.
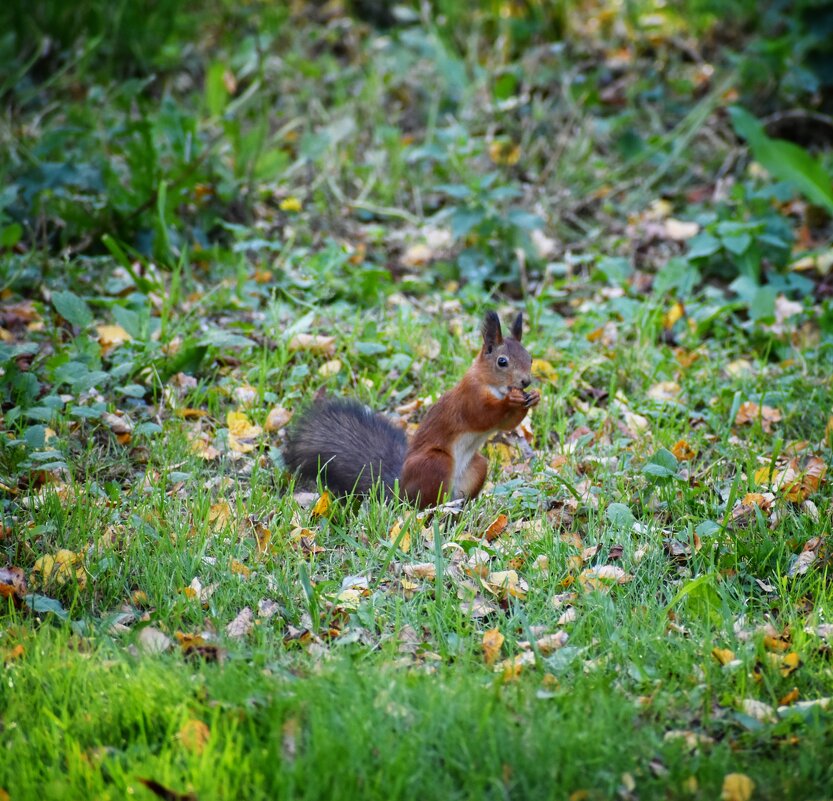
x=502, y=361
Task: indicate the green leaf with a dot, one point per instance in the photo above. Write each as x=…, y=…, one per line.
x=785, y=160
x=216, y=94
x=10, y=235
x=620, y=515
x=704, y=244
x=41, y=603
x=72, y=308
x=663, y=464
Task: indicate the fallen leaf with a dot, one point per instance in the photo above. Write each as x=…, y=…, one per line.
x=762, y=712
x=492, y=643
x=790, y=663
x=604, y=577
x=322, y=505
x=219, y=515
x=153, y=641
x=166, y=793
x=503, y=583
x=12, y=583
x=723, y=655
x=291, y=204
x=737, y=787
x=683, y=451
x=665, y=391
x=111, y=336
x=330, y=368
x=790, y=698
x=194, y=736
x=503, y=151
x=242, y=625
x=750, y=412
x=58, y=569
x=239, y=569
x=421, y=570
x=496, y=528
x=277, y=419
x=241, y=432
x=675, y=313
x=313, y=343
x=396, y=536
x=680, y=230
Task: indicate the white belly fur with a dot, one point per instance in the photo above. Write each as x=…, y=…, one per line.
x=464, y=449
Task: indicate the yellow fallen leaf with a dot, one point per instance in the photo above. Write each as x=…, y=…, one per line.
x=396, y=535
x=543, y=370
x=492, y=643
x=683, y=451
x=291, y=204
x=506, y=582
x=322, y=505
x=111, y=336
x=219, y=515
x=790, y=698
x=502, y=151
x=194, y=736
x=59, y=569
x=790, y=663
x=330, y=368
x=239, y=569
x=675, y=313
x=737, y=787
x=723, y=655
x=242, y=432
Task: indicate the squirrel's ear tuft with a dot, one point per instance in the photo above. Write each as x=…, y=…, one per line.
x=492, y=335
x=518, y=327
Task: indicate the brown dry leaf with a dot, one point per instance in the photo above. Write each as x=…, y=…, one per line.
x=504, y=583
x=322, y=505
x=497, y=527
x=263, y=537
x=548, y=643
x=810, y=473
x=723, y=655
x=187, y=413
x=790, y=663
x=219, y=515
x=58, y=569
x=665, y=391
x=194, y=736
x=195, y=645
x=737, y=787
x=241, y=432
x=118, y=422
x=277, y=418
x=242, y=625
x=153, y=641
x=513, y=667
x=750, y=412
x=492, y=643
x=417, y=255
x=801, y=564
x=202, y=448
x=604, y=577
x=421, y=570
x=239, y=569
x=165, y=793
x=12, y=584
x=683, y=451
x=313, y=343
x=790, y=698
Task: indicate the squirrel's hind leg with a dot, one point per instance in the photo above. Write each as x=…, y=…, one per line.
x=426, y=478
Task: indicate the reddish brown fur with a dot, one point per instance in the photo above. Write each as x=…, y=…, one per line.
x=470, y=408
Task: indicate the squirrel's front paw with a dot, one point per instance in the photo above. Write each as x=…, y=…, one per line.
x=516, y=397
x=531, y=398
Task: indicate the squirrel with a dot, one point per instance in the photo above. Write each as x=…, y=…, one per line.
x=352, y=448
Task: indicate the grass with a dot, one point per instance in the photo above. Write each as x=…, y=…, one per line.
x=322, y=178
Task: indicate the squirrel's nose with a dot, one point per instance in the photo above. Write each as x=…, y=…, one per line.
x=525, y=382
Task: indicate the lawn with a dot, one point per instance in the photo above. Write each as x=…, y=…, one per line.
x=209, y=214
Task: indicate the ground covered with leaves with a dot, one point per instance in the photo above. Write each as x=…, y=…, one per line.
x=209, y=216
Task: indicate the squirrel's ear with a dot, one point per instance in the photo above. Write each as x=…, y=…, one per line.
x=518, y=327
x=492, y=336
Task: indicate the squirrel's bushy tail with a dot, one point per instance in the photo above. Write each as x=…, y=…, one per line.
x=352, y=447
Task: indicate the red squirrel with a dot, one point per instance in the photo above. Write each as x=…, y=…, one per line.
x=353, y=448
